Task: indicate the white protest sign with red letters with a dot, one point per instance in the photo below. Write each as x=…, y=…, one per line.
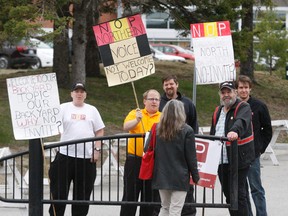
x=208, y=156
x=213, y=50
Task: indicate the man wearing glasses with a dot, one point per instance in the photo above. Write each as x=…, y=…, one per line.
x=139, y=121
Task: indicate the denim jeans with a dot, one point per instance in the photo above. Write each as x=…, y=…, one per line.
x=257, y=191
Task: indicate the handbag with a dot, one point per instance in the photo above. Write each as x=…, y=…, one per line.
x=147, y=164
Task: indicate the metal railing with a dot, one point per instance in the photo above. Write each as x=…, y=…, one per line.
x=24, y=176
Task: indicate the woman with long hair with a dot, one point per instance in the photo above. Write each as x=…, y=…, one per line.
x=175, y=158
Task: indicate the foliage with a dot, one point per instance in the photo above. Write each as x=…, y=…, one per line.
x=272, y=39
x=17, y=20
x=22, y=18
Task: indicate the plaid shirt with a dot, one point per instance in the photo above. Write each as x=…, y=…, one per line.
x=220, y=131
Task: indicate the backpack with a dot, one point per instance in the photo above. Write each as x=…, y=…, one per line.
x=217, y=110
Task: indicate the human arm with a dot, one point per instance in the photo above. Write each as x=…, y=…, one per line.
x=131, y=124
x=192, y=116
x=97, y=146
x=190, y=155
x=242, y=121
x=265, y=128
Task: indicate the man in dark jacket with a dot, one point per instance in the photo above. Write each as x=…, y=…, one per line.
x=170, y=86
x=262, y=136
x=233, y=119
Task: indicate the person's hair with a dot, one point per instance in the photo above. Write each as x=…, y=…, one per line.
x=172, y=119
x=244, y=79
x=169, y=77
x=145, y=94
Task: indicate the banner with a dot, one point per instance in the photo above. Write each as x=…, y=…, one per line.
x=208, y=157
x=34, y=106
x=124, y=49
x=213, y=50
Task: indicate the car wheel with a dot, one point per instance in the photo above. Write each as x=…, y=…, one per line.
x=4, y=63
x=37, y=65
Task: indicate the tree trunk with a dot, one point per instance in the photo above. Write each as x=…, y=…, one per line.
x=80, y=9
x=247, y=64
x=61, y=53
x=92, y=52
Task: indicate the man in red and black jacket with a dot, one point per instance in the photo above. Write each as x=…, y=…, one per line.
x=233, y=119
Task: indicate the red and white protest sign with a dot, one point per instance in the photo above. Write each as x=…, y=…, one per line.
x=208, y=156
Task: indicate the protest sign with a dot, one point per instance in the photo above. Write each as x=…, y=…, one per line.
x=34, y=106
x=124, y=49
x=208, y=156
x=213, y=50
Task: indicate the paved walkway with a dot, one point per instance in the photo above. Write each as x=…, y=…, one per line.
x=274, y=180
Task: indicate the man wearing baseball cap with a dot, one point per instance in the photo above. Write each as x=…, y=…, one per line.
x=233, y=119
x=78, y=86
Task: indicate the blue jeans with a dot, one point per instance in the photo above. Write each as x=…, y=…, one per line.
x=257, y=191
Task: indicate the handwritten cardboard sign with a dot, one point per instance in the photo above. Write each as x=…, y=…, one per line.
x=124, y=49
x=34, y=105
x=213, y=49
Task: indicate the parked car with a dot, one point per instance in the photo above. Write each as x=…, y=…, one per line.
x=17, y=56
x=158, y=55
x=44, y=52
x=174, y=50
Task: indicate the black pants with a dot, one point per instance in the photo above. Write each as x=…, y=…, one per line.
x=224, y=176
x=186, y=211
x=133, y=186
x=64, y=170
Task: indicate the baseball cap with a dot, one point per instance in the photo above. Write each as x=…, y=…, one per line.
x=78, y=86
x=227, y=84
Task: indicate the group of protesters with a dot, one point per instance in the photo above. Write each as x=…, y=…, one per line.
x=240, y=117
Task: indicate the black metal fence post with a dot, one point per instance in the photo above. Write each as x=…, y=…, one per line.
x=35, y=178
x=234, y=176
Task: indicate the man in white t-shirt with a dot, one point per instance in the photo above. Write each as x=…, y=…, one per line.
x=76, y=162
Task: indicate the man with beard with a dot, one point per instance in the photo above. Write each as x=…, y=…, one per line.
x=170, y=86
x=233, y=119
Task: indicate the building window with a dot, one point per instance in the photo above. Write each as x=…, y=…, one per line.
x=159, y=20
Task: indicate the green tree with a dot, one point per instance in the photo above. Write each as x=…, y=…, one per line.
x=18, y=20
x=272, y=37
x=92, y=52
x=22, y=22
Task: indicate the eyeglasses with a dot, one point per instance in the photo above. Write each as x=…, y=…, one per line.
x=153, y=99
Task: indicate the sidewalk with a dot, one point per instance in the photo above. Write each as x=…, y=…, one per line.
x=274, y=180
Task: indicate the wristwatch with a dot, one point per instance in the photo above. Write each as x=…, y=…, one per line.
x=97, y=149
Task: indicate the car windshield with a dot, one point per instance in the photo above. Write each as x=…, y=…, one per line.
x=40, y=44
